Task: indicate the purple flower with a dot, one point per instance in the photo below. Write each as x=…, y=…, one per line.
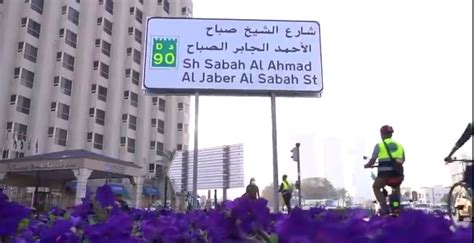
x=11, y=214
x=60, y=232
x=117, y=228
x=105, y=196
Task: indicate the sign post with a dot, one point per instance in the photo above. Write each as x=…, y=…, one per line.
x=186, y=56
x=196, y=151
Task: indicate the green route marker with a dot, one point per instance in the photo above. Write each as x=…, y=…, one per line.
x=164, y=53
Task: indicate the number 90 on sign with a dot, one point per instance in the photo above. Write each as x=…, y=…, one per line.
x=164, y=53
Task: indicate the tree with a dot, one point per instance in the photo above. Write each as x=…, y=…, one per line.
x=317, y=188
x=341, y=194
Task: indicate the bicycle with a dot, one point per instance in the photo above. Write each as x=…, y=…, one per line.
x=393, y=200
x=460, y=195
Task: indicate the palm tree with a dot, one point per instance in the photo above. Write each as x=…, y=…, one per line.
x=341, y=193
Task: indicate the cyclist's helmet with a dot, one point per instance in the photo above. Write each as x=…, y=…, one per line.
x=386, y=129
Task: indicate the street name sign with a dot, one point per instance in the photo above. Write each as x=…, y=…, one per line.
x=232, y=57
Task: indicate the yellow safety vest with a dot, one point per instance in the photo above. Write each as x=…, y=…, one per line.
x=383, y=153
x=286, y=186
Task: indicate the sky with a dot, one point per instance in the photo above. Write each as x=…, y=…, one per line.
x=405, y=63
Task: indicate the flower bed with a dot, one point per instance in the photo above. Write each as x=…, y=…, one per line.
x=241, y=220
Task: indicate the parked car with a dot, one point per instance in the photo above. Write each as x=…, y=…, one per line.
x=423, y=206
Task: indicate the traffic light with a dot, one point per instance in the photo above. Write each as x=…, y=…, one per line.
x=295, y=154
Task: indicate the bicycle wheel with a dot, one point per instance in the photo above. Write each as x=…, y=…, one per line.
x=459, y=203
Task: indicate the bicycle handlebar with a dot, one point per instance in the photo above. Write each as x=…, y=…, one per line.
x=461, y=160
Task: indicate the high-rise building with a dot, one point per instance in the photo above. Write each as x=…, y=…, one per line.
x=70, y=78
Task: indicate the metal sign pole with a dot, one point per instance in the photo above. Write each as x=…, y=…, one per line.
x=195, y=162
x=276, y=199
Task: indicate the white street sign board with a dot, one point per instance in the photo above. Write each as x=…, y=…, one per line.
x=234, y=57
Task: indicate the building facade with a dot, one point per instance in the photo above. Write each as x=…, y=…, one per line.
x=70, y=78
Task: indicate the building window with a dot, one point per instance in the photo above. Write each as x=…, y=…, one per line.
x=153, y=122
x=124, y=118
x=98, y=141
x=135, y=77
x=129, y=51
x=99, y=21
x=152, y=145
x=5, y=154
x=162, y=105
x=34, y=28
x=66, y=86
x=127, y=72
x=73, y=15
x=61, y=33
x=63, y=111
x=154, y=100
x=137, y=56
x=95, y=65
x=20, y=130
x=106, y=47
x=126, y=95
x=89, y=136
x=68, y=62
x=138, y=15
x=104, y=70
x=123, y=141
x=183, y=11
x=50, y=132
x=134, y=99
x=159, y=148
x=94, y=88
x=166, y=6
x=12, y=99
x=71, y=38
x=102, y=94
x=109, y=6
x=91, y=112
x=53, y=106
x=30, y=53
x=60, y=137
x=179, y=147
x=180, y=106
x=132, y=122
x=37, y=5
x=161, y=126
x=99, y=117
x=27, y=77
x=20, y=46
x=180, y=127
x=107, y=26
x=23, y=105
x=130, y=30
x=138, y=36
x=131, y=145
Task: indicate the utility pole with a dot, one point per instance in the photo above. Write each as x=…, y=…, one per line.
x=296, y=157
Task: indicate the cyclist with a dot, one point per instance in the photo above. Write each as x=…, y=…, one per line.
x=391, y=156
x=466, y=135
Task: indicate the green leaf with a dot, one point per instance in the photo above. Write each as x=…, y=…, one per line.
x=273, y=238
x=23, y=224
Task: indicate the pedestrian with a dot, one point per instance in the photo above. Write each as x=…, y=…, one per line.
x=286, y=192
x=252, y=190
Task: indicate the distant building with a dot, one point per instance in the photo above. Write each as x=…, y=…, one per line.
x=432, y=195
